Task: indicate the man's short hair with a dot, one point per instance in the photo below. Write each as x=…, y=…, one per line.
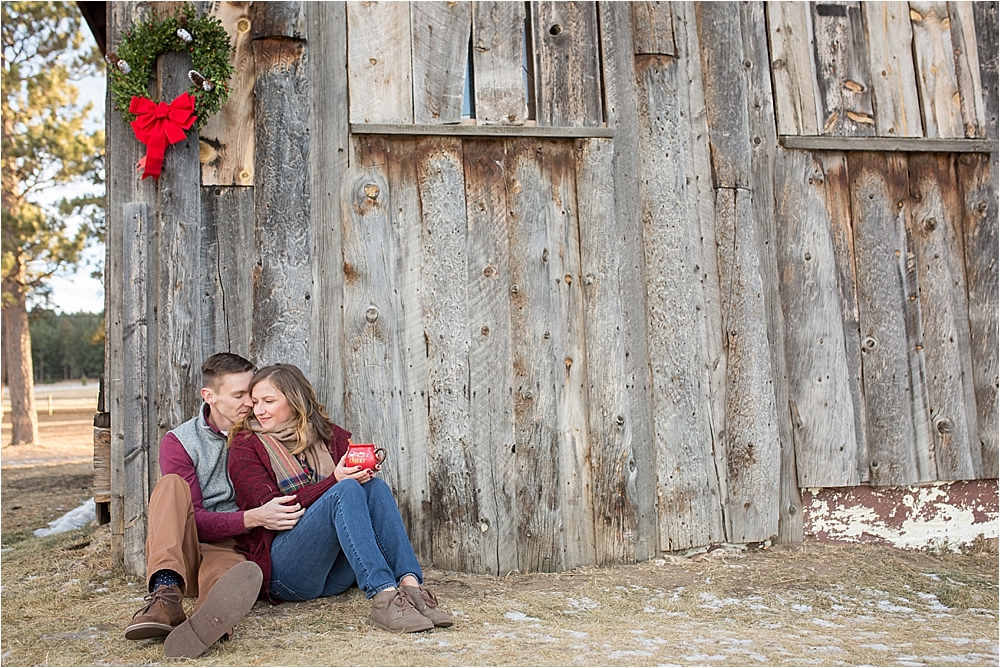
x=222, y=364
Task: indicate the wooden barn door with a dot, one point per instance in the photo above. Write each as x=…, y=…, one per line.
x=476, y=274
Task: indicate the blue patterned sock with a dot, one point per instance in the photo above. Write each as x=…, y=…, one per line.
x=165, y=578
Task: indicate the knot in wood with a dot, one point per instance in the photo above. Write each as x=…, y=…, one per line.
x=568, y=362
x=485, y=331
x=870, y=343
x=488, y=271
x=372, y=190
x=588, y=279
x=945, y=426
x=555, y=29
x=371, y=314
x=568, y=278
x=514, y=289
x=778, y=64
x=808, y=256
x=792, y=510
x=243, y=25
x=484, y=525
x=527, y=394
x=930, y=224
x=620, y=420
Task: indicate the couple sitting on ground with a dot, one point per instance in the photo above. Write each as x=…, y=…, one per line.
x=255, y=499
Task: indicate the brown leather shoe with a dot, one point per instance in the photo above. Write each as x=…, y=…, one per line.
x=393, y=610
x=426, y=604
x=226, y=605
x=160, y=616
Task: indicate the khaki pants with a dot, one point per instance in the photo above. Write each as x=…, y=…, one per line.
x=172, y=541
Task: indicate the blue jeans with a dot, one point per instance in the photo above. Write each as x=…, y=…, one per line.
x=352, y=533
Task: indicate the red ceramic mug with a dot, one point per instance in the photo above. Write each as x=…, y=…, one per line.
x=365, y=455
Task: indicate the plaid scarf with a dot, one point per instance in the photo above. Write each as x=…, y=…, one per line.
x=289, y=470
x=290, y=474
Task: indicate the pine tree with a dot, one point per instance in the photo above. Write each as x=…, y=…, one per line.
x=46, y=144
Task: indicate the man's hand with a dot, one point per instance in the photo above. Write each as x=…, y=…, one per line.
x=279, y=514
x=359, y=473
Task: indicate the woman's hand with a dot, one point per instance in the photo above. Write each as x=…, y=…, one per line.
x=279, y=514
x=359, y=473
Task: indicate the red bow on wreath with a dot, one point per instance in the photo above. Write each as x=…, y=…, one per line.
x=159, y=125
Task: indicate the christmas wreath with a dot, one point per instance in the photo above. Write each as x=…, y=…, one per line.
x=157, y=124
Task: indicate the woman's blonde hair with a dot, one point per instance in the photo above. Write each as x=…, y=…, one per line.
x=291, y=382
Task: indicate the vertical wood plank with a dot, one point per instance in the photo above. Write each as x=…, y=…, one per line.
x=845, y=101
x=378, y=62
x=967, y=71
x=935, y=227
x=497, y=54
x=227, y=139
x=282, y=277
x=228, y=215
x=453, y=477
x=653, y=28
x=180, y=278
x=790, y=30
x=764, y=142
x=278, y=19
x=567, y=71
x=620, y=97
x=136, y=382
x=372, y=367
x=725, y=82
x=977, y=178
x=569, y=347
x=752, y=441
x=536, y=445
x=609, y=418
x=440, y=34
x=935, y=67
x=411, y=462
x=690, y=507
x=821, y=404
x=753, y=457
x=123, y=187
x=838, y=205
x=881, y=254
x=890, y=63
x=555, y=522
x=328, y=163
x=701, y=208
x=491, y=368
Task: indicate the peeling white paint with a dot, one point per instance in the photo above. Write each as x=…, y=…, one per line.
x=930, y=518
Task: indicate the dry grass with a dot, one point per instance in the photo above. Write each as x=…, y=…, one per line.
x=64, y=603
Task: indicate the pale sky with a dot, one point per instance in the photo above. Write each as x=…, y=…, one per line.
x=76, y=292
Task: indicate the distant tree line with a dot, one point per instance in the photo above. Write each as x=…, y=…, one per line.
x=66, y=346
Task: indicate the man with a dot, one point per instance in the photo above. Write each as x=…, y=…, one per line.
x=193, y=521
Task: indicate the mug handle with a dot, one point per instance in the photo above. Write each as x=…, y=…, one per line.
x=378, y=458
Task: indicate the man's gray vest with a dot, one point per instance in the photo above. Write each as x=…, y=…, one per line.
x=209, y=453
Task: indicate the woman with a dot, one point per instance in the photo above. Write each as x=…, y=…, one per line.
x=350, y=531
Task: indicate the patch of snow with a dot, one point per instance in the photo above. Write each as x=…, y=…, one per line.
x=798, y=607
x=622, y=653
x=826, y=624
x=887, y=606
x=878, y=647
x=520, y=617
x=74, y=519
x=577, y=634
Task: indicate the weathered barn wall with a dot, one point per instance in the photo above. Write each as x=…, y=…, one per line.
x=622, y=311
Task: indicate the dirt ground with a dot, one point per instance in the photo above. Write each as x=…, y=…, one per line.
x=65, y=603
